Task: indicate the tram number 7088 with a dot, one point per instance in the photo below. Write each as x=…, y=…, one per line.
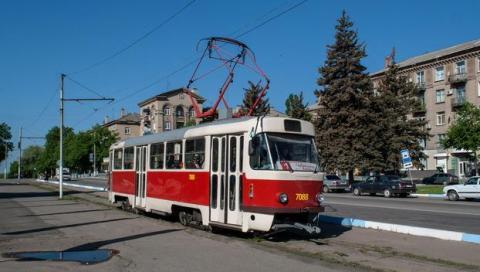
x=301, y=197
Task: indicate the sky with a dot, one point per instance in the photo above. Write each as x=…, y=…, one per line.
x=39, y=40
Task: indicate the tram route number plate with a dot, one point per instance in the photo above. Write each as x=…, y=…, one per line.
x=301, y=197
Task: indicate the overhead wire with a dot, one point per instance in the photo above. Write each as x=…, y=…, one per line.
x=137, y=91
x=136, y=41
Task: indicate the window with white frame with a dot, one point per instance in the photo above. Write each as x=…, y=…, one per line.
x=181, y=96
x=439, y=73
x=420, y=77
x=440, y=118
x=440, y=96
x=478, y=88
x=460, y=68
x=127, y=131
x=168, y=126
x=166, y=110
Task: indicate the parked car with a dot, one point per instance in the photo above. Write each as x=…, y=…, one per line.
x=332, y=183
x=387, y=185
x=66, y=174
x=469, y=190
x=441, y=178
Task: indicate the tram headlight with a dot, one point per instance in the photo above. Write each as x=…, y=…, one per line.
x=320, y=198
x=283, y=198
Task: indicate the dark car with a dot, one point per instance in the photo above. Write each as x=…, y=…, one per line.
x=388, y=186
x=441, y=178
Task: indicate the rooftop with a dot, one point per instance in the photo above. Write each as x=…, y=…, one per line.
x=165, y=95
x=127, y=119
x=436, y=55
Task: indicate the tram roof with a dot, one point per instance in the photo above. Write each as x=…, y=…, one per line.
x=223, y=126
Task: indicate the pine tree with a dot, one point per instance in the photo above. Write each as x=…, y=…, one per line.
x=249, y=98
x=395, y=103
x=296, y=108
x=346, y=126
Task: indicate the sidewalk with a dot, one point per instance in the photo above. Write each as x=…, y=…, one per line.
x=359, y=248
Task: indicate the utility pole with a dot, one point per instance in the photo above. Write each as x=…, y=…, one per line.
x=20, y=156
x=62, y=100
x=60, y=166
x=94, y=155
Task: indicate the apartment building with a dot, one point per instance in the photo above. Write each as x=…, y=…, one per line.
x=166, y=111
x=446, y=79
x=126, y=126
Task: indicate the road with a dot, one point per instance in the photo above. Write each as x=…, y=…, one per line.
x=463, y=216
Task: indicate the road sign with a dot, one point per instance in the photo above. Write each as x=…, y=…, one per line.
x=406, y=160
x=90, y=157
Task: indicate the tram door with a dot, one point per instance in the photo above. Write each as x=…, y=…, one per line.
x=140, y=178
x=224, y=179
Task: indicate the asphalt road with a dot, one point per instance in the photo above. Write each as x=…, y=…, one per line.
x=463, y=216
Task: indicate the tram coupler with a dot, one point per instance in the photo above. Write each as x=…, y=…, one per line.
x=297, y=228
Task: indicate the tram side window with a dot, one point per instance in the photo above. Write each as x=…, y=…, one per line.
x=259, y=159
x=117, y=159
x=195, y=153
x=128, y=158
x=174, y=155
x=156, y=156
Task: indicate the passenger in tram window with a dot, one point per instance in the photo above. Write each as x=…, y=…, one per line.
x=171, y=162
x=197, y=161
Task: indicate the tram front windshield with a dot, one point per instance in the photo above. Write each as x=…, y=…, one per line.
x=283, y=152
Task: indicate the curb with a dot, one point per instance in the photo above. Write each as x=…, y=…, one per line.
x=417, y=231
x=74, y=185
x=429, y=195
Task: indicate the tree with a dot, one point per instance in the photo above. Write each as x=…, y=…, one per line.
x=103, y=139
x=13, y=172
x=49, y=158
x=465, y=131
x=5, y=135
x=30, y=160
x=395, y=103
x=249, y=98
x=345, y=128
x=296, y=108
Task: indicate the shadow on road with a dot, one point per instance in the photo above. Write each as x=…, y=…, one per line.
x=36, y=206
x=59, y=213
x=63, y=226
x=99, y=244
x=4, y=195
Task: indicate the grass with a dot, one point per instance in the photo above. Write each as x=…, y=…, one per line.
x=430, y=189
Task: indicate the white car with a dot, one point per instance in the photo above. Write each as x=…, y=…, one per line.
x=469, y=190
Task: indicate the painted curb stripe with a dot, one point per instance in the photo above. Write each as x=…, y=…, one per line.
x=416, y=231
x=75, y=185
x=429, y=195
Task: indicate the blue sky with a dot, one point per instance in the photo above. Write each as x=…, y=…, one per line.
x=41, y=39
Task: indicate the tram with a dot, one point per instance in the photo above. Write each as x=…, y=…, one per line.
x=252, y=174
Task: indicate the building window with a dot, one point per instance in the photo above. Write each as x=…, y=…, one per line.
x=478, y=88
x=127, y=131
x=460, y=68
x=179, y=111
x=191, y=112
x=440, y=96
x=128, y=158
x=166, y=110
x=174, y=155
x=460, y=94
x=181, y=96
x=440, y=138
x=420, y=78
x=440, y=118
x=195, y=153
x=156, y=156
x=439, y=73
x=168, y=126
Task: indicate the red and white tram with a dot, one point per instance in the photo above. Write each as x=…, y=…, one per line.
x=250, y=173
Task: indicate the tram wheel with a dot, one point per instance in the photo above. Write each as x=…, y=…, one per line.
x=184, y=218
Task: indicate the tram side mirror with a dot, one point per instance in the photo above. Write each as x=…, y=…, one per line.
x=252, y=145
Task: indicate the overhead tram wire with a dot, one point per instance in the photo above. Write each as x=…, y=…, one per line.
x=39, y=116
x=84, y=87
x=144, y=36
x=137, y=91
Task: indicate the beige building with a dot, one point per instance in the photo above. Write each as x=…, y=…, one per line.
x=126, y=126
x=447, y=79
x=167, y=111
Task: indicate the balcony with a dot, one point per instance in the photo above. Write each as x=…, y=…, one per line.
x=421, y=86
x=419, y=110
x=457, y=78
x=458, y=102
